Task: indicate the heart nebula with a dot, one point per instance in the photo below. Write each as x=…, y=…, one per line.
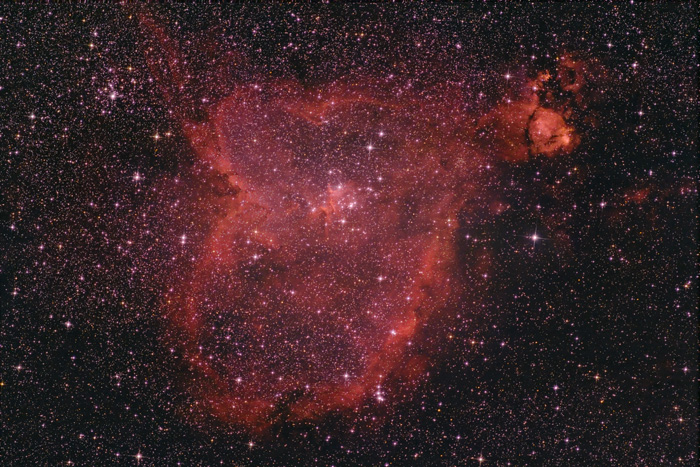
x=332, y=267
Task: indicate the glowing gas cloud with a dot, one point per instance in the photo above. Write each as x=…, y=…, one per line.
x=331, y=268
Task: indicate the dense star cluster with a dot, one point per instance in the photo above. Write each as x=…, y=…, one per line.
x=299, y=235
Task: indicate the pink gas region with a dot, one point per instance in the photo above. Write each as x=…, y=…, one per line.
x=331, y=268
x=335, y=247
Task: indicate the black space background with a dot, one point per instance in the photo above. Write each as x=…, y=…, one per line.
x=563, y=318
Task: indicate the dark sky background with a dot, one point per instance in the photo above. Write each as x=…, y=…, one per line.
x=577, y=352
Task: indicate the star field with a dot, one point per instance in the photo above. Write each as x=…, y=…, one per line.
x=295, y=235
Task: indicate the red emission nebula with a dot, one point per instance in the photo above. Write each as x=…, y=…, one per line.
x=329, y=272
